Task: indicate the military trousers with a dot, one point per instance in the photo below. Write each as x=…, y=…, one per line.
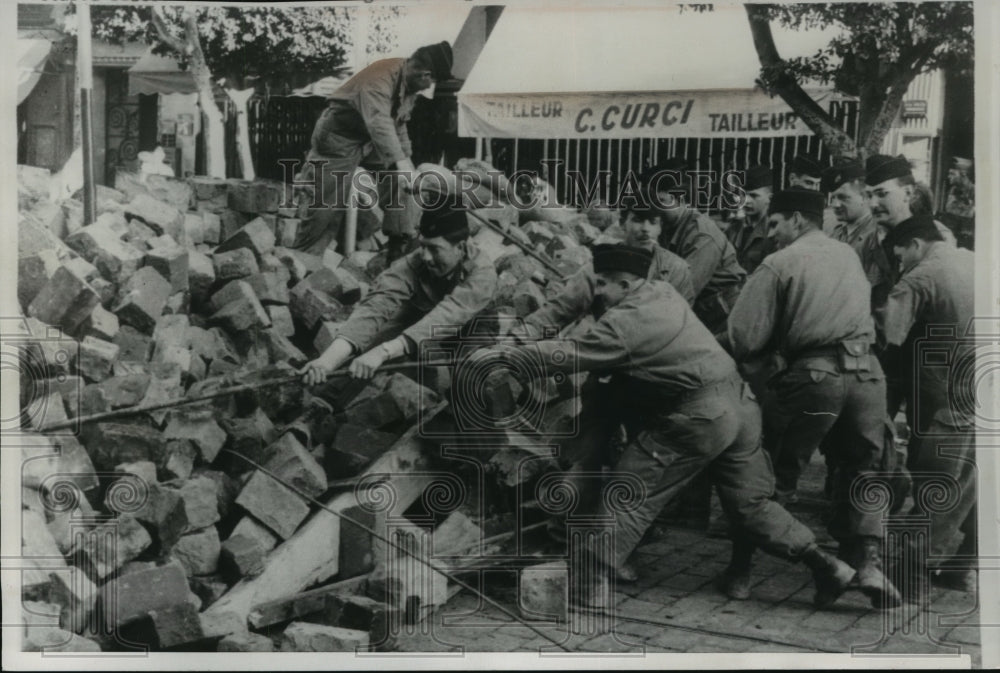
x=814, y=402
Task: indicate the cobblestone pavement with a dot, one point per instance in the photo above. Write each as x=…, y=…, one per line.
x=675, y=607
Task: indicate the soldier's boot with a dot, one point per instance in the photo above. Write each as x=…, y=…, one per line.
x=870, y=579
x=831, y=575
x=735, y=581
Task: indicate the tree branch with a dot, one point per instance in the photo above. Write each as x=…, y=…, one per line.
x=815, y=117
x=160, y=24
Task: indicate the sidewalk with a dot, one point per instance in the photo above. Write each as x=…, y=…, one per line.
x=675, y=607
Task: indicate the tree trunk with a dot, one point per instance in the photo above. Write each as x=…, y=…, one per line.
x=816, y=118
x=242, y=99
x=213, y=128
x=879, y=127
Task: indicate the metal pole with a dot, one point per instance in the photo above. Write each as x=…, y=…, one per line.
x=85, y=72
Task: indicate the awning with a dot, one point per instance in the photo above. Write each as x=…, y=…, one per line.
x=159, y=74
x=320, y=88
x=625, y=72
x=31, y=57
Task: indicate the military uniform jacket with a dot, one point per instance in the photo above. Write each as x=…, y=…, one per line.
x=751, y=243
x=810, y=295
x=855, y=234
x=371, y=107
x=651, y=338
x=576, y=296
x=407, y=296
x=707, y=251
x=938, y=291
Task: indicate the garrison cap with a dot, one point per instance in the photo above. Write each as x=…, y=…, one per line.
x=918, y=226
x=444, y=221
x=840, y=174
x=438, y=58
x=881, y=167
x=615, y=257
x=798, y=199
x=803, y=165
x=757, y=177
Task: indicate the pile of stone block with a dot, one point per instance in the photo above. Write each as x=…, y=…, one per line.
x=133, y=527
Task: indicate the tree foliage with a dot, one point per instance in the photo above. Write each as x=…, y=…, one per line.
x=877, y=52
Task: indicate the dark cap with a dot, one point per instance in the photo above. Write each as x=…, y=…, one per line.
x=798, y=199
x=918, y=226
x=840, y=174
x=445, y=221
x=438, y=58
x=881, y=167
x=803, y=165
x=614, y=257
x=757, y=177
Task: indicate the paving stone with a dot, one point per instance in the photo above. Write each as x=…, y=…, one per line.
x=250, y=435
x=200, y=501
x=299, y=264
x=164, y=386
x=270, y=287
x=241, y=556
x=281, y=319
x=54, y=639
x=199, y=551
x=143, y=469
x=124, y=390
x=246, y=642
x=208, y=588
x=199, y=427
x=311, y=306
x=251, y=528
x=242, y=314
x=281, y=350
x=544, y=591
x=165, y=513
x=279, y=508
x=209, y=192
x=103, y=247
x=104, y=557
x=157, y=215
x=179, y=459
x=354, y=447
x=65, y=301
x=238, y=263
x=291, y=462
x=255, y=236
x=259, y=196
x=96, y=358
x=101, y=323
x=287, y=231
x=167, y=627
x=111, y=444
x=133, y=344
x=227, y=487
x=141, y=299
x=306, y=637
x=170, y=259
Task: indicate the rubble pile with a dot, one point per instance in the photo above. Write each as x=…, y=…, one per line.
x=137, y=526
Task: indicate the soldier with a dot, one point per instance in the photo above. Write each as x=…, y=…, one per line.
x=365, y=125
x=936, y=289
x=446, y=282
x=715, y=274
x=810, y=300
x=805, y=172
x=749, y=238
x=685, y=410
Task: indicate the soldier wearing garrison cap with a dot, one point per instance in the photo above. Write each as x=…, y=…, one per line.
x=685, y=410
x=805, y=172
x=365, y=125
x=810, y=300
x=936, y=295
x=447, y=281
x=749, y=237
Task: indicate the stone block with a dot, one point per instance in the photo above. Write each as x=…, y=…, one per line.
x=363, y=614
x=161, y=217
x=33, y=272
x=357, y=551
x=95, y=359
x=170, y=259
x=210, y=344
x=132, y=595
x=281, y=350
x=407, y=585
x=201, y=501
x=179, y=458
x=114, y=220
x=76, y=594
x=65, y=301
x=171, y=627
x=270, y=287
x=299, y=264
x=249, y=435
x=171, y=330
x=103, y=247
x=249, y=527
x=227, y=487
x=255, y=236
x=292, y=463
x=210, y=193
x=286, y=231
x=241, y=557
x=101, y=324
x=40, y=555
x=105, y=289
x=306, y=637
x=199, y=427
x=350, y=286
x=246, y=642
x=194, y=228
x=354, y=447
x=139, y=234
x=231, y=221
x=199, y=551
x=543, y=591
x=145, y=470
x=232, y=291
x=111, y=444
x=201, y=275
x=233, y=264
x=133, y=344
x=52, y=217
x=311, y=306
x=73, y=211
x=123, y=390
x=164, y=386
x=211, y=228
x=208, y=588
x=258, y=196
x=142, y=298
x=165, y=513
x=241, y=314
x=111, y=545
x=281, y=319
x=276, y=506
